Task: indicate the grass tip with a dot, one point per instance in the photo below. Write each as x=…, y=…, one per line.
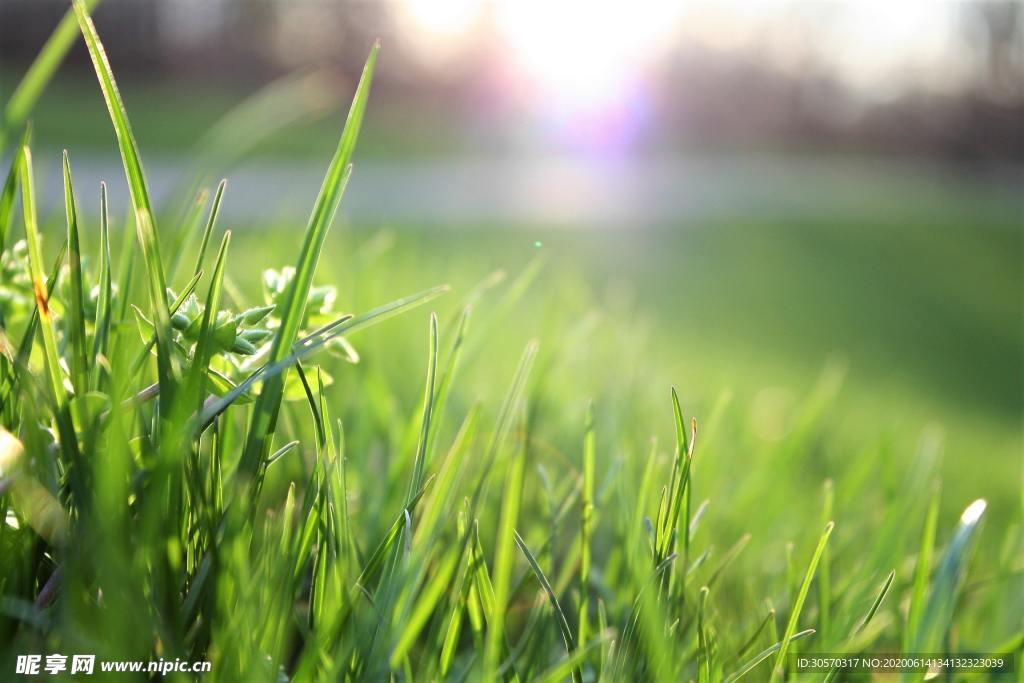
x=974, y=511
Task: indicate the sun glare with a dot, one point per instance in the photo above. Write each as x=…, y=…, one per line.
x=584, y=53
x=579, y=65
x=439, y=28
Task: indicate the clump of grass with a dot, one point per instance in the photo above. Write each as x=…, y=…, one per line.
x=138, y=523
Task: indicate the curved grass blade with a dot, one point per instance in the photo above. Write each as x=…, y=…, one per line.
x=559, y=614
x=347, y=324
x=867, y=617
x=765, y=654
x=749, y=642
x=376, y=559
x=444, y=384
x=877, y=603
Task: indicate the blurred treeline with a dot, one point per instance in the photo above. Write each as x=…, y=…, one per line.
x=703, y=96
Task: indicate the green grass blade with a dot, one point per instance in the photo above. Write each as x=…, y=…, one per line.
x=347, y=325
x=445, y=382
x=210, y=222
x=824, y=572
x=429, y=528
x=949, y=575
x=798, y=604
x=205, y=346
x=749, y=642
x=586, y=524
x=566, y=667
x=922, y=570
x=862, y=624
x=101, y=325
x=424, y=607
x=144, y=216
x=35, y=264
x=505, y=418
x=428, y=408
x=10, y=191
x=877, y=603
x=76, y=306
x=765, y=654
x=560, y=619
x=264, y=417
x=502, y=574
x=25, y=346
x=376, y=559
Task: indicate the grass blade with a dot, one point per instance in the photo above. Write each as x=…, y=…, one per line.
x=586, y=524
x=205, y=346
x=945, y=590
x=144, y=217
x=76, y=307
x=798, y=604
x=765, y=654
x=922, y=571
x=264, y=419
x=35, y=264
x=347, y=324
x=502, y=574
x=101, y=326
x=10, y=191
x=560, y=619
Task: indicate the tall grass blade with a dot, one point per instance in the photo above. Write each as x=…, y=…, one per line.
x=502, y=575
x=937, y=617
x=139, y=192
x=798, y=604
x=264, y=419
x=76, y=306
x=586, y=525
x=560, y=619
x=922, y=570
x=39, y=284
x=101, y=325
